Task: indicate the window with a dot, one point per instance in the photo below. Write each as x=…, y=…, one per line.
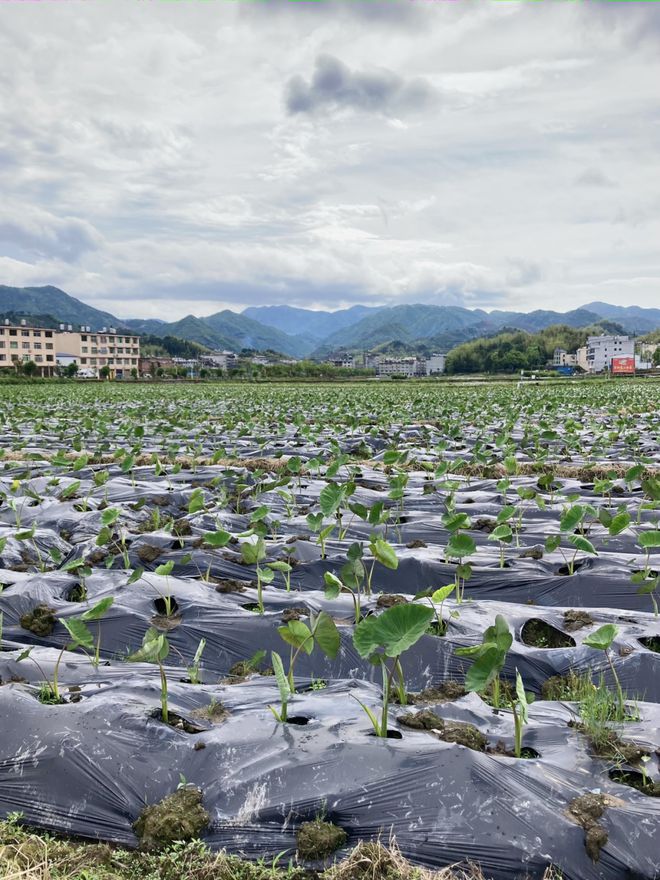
x=25, y=332
x=39, y=358
x=37, y=345
x=85, y=349
x=13, y=332
x=13, y=344
x=49, y=334
x=26, y=345
x=49, y=357
x=84, y=338
x=49, y=345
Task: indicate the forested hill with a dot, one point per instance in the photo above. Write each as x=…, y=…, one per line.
x=514, y=350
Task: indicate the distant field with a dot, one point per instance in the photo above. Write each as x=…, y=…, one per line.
x=292, y=620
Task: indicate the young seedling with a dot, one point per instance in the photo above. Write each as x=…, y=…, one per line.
x=572, y=519
x=82, y=637
x=253, y=553
x=648, y=579
x=383, y=639
x=155, y=649
x=490, y=657
x=321, y=632
x=460, y=546
x=602, y=640
x=503, y=534
x=334, y=586
x=193, y=669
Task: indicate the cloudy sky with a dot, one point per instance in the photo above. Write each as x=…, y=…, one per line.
x=160, y=158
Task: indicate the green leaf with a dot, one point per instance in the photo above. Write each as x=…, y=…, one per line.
x=217, y=539
x=155, y=648
x=79, y=633
x=650, y=539
x=522, y=698
x=326, y=635
x=279, y=566
x=109, y=516
x=333, y=586
x=280, y=677
x=252, y=553
x=331, y=498
x=603, y=637
x=395, y=630
x=460, y=546
x=196, y=502
x=384, y=553
x=298, y=634
x=165, y=569
x=484, y=669
x=501, y=533
x=552, y=542
x=582, y=544
x=619, y=523
x=97, y=611
x=571, y=518
x=135, y=576
x=443, y=593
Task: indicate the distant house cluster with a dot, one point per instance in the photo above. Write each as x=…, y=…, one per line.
x=108, y=351
x=615, y=354
x=382, y=365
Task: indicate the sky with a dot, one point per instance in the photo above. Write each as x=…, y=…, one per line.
x=166, y=157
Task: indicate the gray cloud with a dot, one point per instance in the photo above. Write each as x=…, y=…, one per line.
x=594, y=177
x=44, y=235
x=334, y=86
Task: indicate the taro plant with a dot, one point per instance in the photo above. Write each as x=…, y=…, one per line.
x=520, y=709
x=382, y=640
x=193, y=669
x=155, y=649
x=572, y=519
x=254, y=553
x=460, y=546
x=490, y=657
x=602, y=640
x=321, y=632
x=81, y=637
x=334, y=586
x=648, y=579
x=437, y=627
x=503, y=534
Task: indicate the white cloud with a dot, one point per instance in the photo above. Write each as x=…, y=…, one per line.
x=487, y=154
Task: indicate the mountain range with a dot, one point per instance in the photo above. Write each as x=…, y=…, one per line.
x=298, y=332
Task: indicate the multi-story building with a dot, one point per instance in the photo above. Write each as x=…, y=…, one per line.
x=601, y=350
x=20, y=344
x=222, y=360
x=435, y=364
x=563, y=358
x=403, y=366
x=94, y=350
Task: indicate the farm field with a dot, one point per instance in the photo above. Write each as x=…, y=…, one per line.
x=291, y=620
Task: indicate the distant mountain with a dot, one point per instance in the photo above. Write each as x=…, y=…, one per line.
x=305, y=332
x=634, y=319
x=231, y=331
x=145, y=325
x=53, y=301
x=317, y=325
x=541, y=318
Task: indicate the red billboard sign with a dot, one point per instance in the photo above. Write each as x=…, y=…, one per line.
x=623, y=365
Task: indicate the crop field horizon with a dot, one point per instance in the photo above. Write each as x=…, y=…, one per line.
x=271, y=627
